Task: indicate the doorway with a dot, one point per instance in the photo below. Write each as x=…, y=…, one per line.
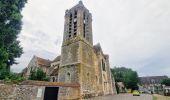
x=51, y=93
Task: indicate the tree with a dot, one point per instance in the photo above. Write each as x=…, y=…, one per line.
x=127, y=76
x=38, y=74
x=166, y=82
x=10, y=26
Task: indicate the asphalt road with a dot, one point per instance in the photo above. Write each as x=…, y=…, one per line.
x=124, y=97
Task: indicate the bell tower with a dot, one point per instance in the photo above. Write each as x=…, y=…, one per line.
x=77, y=54
x=78, y=23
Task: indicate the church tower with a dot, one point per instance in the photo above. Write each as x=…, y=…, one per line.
x=77, y=65
x=78, y=23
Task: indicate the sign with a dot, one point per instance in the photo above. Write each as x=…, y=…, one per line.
x=39, y=93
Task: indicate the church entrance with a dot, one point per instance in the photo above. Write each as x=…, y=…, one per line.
x=51, y=93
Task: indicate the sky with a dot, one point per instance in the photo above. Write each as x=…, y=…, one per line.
x=135, y=33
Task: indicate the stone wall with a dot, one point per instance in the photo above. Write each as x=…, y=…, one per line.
x=20, y=92
x=34, y=90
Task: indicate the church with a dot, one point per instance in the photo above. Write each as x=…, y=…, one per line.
x=80, y=61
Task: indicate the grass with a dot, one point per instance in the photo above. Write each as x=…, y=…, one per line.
x=155, y=98
x=160, y=97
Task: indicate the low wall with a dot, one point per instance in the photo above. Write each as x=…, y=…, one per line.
x=21, y=92
x=34, y=90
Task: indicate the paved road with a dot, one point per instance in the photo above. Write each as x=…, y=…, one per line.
x=124, y=97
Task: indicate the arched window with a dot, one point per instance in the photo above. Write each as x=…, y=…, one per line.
x=53, y=79
x=68, y=77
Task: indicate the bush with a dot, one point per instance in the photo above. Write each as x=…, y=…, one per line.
x=38, y=75
x=10, y=77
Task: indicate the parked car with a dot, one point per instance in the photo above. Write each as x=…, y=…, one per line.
x=136, y=93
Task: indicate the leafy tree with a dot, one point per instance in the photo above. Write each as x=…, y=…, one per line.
x=38, y=75
x=10, y=26
x=4, y=73
x=127, y=76
x=166, y=82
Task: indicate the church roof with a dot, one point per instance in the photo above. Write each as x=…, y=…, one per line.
x=42, y=61
x=57, y=59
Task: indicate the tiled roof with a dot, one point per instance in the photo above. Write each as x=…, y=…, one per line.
x=42, y=61
x=151, y=79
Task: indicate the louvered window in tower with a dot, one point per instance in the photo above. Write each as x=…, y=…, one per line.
x=84, y=26
x=70, y=26
x=75, y=23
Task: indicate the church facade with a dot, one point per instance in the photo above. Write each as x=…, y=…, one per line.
x=80, y=61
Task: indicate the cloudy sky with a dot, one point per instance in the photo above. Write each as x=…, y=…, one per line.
x=135, y=33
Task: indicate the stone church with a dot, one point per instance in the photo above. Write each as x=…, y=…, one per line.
x=80, y=61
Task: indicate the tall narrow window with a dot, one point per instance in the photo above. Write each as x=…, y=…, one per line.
x=103, y=65
x=88, y=77
x=86, y=28
x=68, y=77
x=75, y=23
x=70, y=26
x=84, y=25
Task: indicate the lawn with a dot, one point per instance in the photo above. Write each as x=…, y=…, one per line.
x=160, y=97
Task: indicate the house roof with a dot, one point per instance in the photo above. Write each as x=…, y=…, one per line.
x=151, y=79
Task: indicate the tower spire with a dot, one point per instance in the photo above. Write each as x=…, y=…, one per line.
x=81, y=2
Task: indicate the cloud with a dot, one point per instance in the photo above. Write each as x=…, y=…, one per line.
x=135, y=33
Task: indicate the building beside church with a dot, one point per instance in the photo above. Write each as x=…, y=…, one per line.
x=151, y=84
x=80, y=61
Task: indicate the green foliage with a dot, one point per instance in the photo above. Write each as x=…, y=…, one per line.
x=38, y=75
x=10, y=77
x=166, y=82
x=4, y=73
x=127, y=76
x=14, y=78
x=10, y=26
